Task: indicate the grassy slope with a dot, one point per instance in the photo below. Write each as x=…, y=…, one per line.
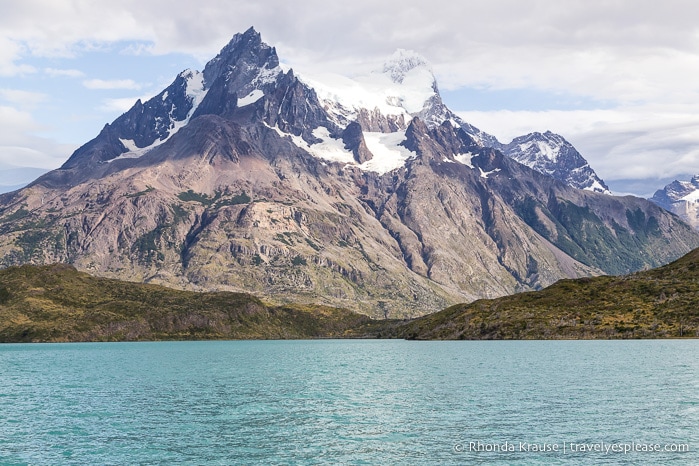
x=659, y=303
x=58, y=303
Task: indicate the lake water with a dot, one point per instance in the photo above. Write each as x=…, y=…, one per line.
x=350, y=402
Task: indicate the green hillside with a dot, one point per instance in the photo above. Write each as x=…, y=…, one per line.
x=57, y=303
x=659, y=303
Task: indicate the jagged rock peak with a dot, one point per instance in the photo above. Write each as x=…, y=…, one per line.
x=244, y=49
x=398, y=65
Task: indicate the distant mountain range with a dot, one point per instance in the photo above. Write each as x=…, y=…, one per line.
x=365, y=193
x=12, y=179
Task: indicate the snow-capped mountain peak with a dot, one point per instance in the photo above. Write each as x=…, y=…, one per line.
x=681, y=198
x=263, y=188
x=402, y=62
x=317, y=112
x=676, y=193
x=400, y=90
x=245, y=56
x=191, y=84
x=551, y=154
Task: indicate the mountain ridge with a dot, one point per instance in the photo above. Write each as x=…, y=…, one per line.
x=242, y=177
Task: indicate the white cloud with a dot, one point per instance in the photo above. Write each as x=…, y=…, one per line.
x=20, y=147
x=111, y=84
x=21, y=98
x=10, y=52
x=120, y=105
x=137, y=49
x=14, y=122
x=627, y=50
x=68, y=73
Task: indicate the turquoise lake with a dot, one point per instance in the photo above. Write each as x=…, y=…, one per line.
x=379, y=402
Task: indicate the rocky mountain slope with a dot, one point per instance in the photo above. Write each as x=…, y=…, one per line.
x=245, y=177
x=658, y=303
x=682, y=199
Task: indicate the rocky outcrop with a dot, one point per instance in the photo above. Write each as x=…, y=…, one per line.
x=353, y=137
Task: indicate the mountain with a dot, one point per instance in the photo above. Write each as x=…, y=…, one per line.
x=551, y=154
x=658, y=303
x=368, y=194
x=407, y=88
x=682, y=199
x=56, y=303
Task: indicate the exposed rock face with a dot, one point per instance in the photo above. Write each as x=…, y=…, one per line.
x=245, y=180
x=353, y=137
x=681, y=198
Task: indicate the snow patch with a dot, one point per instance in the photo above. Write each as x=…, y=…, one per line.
x=691, y=197
x=251, y=98
x=598, y=188
x=465, y=159
x=486, y=174
x=266, y=76
x=134, y=152
x=195, y=89
x=329, y=148
x=387, y=152
x=548, y=151
x=530, y=148
x=129, y=144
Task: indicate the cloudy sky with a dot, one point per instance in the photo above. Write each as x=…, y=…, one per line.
x=618, y=78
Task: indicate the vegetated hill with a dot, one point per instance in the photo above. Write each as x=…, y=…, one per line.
x=56, y=303
x=659, y=303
